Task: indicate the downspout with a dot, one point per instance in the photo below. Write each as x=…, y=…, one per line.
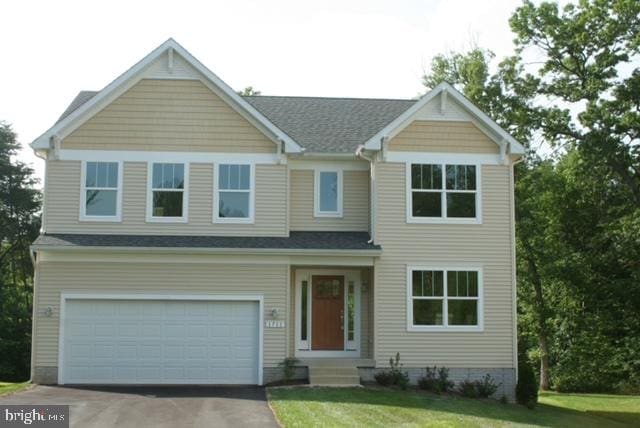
x=372, y=191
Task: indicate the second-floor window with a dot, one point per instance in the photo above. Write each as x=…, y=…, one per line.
x=443, y=192
x=101, y=192
x=168, y=198
x=234, y=193
x=328, y=193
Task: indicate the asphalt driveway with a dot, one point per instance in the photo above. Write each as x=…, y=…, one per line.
x=175, y=406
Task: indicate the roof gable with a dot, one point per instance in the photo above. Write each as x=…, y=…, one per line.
x=444, y=102
x=169, y=61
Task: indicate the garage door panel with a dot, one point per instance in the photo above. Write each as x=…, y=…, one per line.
x=204, y=342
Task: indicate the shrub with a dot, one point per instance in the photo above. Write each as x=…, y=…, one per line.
x=384, y=378
x=436, y=380
x=481, y=388
x=289, y=368
x=467, y=388
x=395, y=376
x=527, y=387
x=486, y=386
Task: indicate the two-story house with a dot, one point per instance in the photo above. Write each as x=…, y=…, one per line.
x=194, y=236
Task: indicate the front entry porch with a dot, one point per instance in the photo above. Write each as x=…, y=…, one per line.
x=332, y=313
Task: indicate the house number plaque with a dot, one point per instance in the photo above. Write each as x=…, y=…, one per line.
x=274, y=324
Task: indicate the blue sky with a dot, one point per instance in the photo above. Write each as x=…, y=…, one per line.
x=51, y=50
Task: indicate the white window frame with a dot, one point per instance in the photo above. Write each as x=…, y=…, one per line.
x=445, y=309
x=185, y=195
x=443, y=193
x=251, y=191
x=83, y=195
x=316, y=191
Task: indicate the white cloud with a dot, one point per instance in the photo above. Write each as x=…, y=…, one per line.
x=360, y=48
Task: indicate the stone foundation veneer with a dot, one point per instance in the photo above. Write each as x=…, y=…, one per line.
x=275, y=374
x=505, y=377
x=49, y=375
x=45, y=375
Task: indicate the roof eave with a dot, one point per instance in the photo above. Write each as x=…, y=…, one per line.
x=213, y=251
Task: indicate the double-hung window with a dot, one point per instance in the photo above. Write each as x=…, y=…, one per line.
x=101, y=195
x=167, y=200
x=234, y=194
x=443, y=193
x=328, y=193
x=444, y=299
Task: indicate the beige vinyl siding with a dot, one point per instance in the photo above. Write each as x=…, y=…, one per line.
x=355, y=203
x=404, y=244
x=155, y=278
x=63, y=198
x=169, y=115
x=442, y=137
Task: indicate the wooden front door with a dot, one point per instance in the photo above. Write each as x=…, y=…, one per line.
x=327, y=326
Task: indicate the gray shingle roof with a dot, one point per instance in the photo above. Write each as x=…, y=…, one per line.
x=333, y=125
x=320, y=125
x=80, y=99
x=296, y=241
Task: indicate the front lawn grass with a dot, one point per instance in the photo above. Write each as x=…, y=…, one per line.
x=364, y=407
x=8, y=388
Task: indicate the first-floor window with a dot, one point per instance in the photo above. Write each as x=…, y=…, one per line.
x=167, y=190
x=445, y=298
x=101, y=190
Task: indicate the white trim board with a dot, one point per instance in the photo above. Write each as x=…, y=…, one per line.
x=64, y=296
x=173, y=157
x=129, y=78
x=444, y=158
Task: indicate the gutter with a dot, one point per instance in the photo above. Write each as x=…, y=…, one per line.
x=213, y=251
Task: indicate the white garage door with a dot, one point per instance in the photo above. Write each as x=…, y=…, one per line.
x=160, y=342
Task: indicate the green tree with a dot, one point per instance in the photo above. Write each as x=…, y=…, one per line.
x=577, y=211
x=249, y=92
x=19, y=226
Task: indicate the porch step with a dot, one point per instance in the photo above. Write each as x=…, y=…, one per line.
x=333, y=373
x=334, y=380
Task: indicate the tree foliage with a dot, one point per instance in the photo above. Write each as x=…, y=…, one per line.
x=19, y=226
x=249, y=92
x=577, y=209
